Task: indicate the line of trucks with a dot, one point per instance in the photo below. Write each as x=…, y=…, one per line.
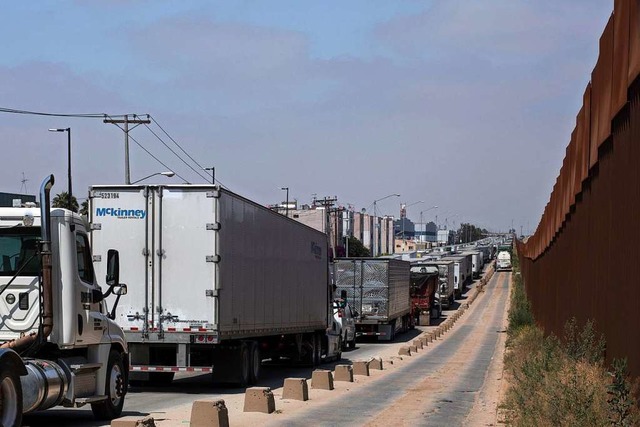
x=198, y=279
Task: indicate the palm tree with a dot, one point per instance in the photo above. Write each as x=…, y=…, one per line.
x=61, y=200
x=84, y=208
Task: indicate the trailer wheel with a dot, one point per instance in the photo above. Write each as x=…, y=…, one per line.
x=352, y=343
x=10, y=397
x=115, y=389
x=317, y=350
x=244, y=369
x=256, y=363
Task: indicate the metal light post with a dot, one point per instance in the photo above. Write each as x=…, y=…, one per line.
x=213, y=174
x=68, y=130
x=375, y=212
x=286, y=208
x=422, y=222
x=405, y=214
x=168, y=174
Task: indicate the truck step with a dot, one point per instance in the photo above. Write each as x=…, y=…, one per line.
x=85, y=367
x=81, y=401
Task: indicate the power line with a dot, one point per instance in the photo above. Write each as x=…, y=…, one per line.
x=40, y=113
x=156, y=159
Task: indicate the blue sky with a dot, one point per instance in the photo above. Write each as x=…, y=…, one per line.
x=467, y=105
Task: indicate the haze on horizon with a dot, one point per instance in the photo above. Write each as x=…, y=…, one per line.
x=462, y=104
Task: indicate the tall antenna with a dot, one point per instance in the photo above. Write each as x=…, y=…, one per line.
x=23, y=188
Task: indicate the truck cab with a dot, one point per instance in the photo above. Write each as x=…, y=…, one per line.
x=58, y=344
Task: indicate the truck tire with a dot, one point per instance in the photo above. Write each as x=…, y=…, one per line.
x=256, y=363
x=115, y=389
x=317, y=349
x=10, y=398
x=352, y=343
x=244, y=365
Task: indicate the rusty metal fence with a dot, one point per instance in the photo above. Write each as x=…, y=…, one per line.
x=583, y=261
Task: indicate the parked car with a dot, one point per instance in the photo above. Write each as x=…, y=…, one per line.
x=345, y=317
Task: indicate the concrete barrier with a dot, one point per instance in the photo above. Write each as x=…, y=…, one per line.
x=361, y=367
x=429, y=337
x=295, y=389
x=404, y=351
x=343, y=373
x=209, y=413
x=322, y=379
x=259, y=399
x=376, y=363
x=424, y=341
x=418, y=344
x=413, y=349
x=133, y=421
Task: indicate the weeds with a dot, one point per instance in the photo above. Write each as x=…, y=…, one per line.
x=562, y=382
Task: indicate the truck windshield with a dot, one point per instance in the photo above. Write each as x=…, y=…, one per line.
x=18, y=248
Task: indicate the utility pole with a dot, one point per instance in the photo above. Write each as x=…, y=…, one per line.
x=126, y=122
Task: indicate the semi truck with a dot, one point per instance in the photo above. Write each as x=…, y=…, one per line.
x=503, y=261
x=445, y=291
x=424, y=286
x=218, y=283
x=477, y=263
x=379, y=290
x=462, y=272
x=59, y=343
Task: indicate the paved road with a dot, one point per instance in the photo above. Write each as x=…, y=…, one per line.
x=447, y=405
x=187, y=388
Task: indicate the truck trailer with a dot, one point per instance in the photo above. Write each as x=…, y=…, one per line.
x=424, y=286
x=445, y=291
x=379, y=290
x=503, y=261
x=477, y=263
x=217, y=283
x=462, y=272
x=58, y=343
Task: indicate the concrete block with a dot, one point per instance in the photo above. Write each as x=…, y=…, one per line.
x=418, y=344
x=413, y=349
x=259, y=399
x=429, y=337
x=209, y=413
x=133, y=421
x=404, y=351
x=295, y=389
x=361, y=367
x=424, y=341
x=343, y=373
x=376, y=363
x=322, y=379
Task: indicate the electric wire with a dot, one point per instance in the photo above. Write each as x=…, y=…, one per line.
x=40, y=113
x=156, y=159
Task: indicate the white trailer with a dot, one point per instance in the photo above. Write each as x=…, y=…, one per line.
x=446, y=278
x=476, y=263
x=217, y=283
x=462, y=272
x=59, y=344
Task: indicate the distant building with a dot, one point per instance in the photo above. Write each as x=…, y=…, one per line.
x=426, y=232
x=404, y=227
x=7, y=199
x=446, y=237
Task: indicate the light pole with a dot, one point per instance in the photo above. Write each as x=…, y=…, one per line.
x=286, y=207
x=213, y=174
x=422, y=222
x=68, y=130
x=375, y=212
x=403, y=219
x=168, y=174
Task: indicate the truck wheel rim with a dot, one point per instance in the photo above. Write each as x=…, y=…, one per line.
x=8, y=402
x=116, y=385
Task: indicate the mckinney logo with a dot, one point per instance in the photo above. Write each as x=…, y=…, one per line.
x=121, y=213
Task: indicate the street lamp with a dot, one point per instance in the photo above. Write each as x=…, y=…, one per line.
x=403, y=218
x=168, y=174
x=379, y=200
x=286, y=207
x=424, y=229
x=213, y=174
x=68, y=130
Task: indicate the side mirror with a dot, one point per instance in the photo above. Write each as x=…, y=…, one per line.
x=113, y=268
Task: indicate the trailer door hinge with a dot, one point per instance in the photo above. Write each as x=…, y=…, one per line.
x=213, y=194
x=97, y=258
x=211, y=292
x=96, y=226
x=214, y=226
x=213, y=258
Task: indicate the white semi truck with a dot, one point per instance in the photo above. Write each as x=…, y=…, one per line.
x=60, y=346
x=217, y=283
x=503, y=261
